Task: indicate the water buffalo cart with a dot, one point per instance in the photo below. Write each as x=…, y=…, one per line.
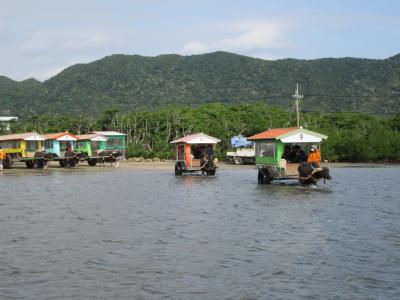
x=281, y=154
x=23, y=147
x=195, y=153
x=60, y=147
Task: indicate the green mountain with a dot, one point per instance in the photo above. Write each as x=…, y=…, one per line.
x=133, y=82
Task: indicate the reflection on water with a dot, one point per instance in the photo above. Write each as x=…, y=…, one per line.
x=150, y=235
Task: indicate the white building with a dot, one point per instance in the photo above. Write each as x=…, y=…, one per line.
x=5, y=122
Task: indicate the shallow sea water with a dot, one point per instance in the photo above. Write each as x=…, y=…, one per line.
x=124, y=234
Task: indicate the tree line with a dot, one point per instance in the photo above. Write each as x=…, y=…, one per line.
x=352, y=137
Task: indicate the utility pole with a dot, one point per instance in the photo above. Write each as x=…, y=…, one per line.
x=297, y=96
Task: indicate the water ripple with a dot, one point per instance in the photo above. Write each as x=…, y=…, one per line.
x=151, y=235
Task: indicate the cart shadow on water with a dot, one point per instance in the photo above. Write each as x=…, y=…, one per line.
x=297, y=187
x=191, y=179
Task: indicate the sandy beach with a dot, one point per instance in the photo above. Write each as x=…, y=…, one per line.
x=167, y=165
x=122, y=165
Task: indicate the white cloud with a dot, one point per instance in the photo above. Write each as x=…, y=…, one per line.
x=48, y=52
x=86, y=41
x=71, y=41
x=247, y=37
x=196, y=47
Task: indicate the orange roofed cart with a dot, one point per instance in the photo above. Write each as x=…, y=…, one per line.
x=195, y=153
x=279, y=154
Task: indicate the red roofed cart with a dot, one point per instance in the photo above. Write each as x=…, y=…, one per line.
x=195, y=153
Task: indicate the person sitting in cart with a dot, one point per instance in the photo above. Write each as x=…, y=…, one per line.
x=314, y=158
x=197, y=153
x=211, y=152
x=301, y=155
x=291, y=156
x=3, y=157
x=69, y=147
x=287, y=153
x=201, y=152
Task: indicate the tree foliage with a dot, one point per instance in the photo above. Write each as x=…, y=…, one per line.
x=354, y=137
x=132, y=82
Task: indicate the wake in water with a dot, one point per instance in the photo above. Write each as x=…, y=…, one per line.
x=298, y=186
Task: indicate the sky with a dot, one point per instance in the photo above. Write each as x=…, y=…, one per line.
x=40, y=38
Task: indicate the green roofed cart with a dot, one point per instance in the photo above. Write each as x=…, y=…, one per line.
x=272, y=157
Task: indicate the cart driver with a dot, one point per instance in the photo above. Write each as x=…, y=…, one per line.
x=314, y=158
x=3, y=157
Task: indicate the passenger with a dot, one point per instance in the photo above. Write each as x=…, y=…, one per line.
x=69, y=147
x=292, y=155
x=211, y=152
x=203, y=151
x=314, y=158
x=286, y=153
x=197, y=152
x=3, y=157
x=301, y=155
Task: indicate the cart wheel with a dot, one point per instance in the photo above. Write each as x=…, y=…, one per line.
x=29, y=164
x=260, y=178
x=71, y=162
x=238, y=161
x=178, y=169
x=40, y=163
x=62, y=163
x=92, y=162
x=7, y=163
x=263, y=177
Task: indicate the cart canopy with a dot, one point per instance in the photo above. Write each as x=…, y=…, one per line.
x=289, y=135
x=197, y=138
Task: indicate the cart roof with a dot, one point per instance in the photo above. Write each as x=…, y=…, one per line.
x=29, y=136
x=290, y=135
x=271, y=133
x=110, y=133
x=92, y=137
x=61, y=136
x=197, y=138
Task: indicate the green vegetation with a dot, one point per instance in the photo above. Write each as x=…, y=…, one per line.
x=132, y=82
x=355, y=137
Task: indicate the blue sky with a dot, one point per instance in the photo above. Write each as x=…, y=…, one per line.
x=41, y=38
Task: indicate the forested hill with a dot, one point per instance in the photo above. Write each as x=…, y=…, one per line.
x=134, y=82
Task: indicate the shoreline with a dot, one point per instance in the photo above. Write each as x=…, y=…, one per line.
x=167, y=165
